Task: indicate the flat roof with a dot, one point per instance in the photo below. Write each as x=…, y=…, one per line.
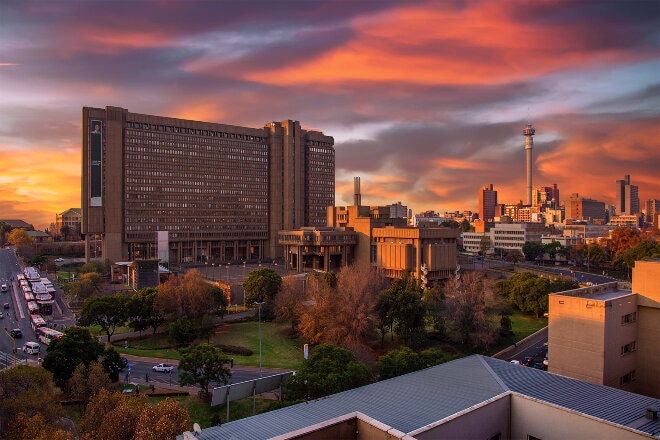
x=597, y=292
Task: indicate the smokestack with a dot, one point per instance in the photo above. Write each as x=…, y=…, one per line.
x=357, y=198
x=529, y=132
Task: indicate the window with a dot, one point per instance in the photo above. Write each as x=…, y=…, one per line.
x=629, y=318
x=627, y=378
x=628, y=348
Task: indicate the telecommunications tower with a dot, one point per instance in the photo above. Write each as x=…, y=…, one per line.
x=529, y=132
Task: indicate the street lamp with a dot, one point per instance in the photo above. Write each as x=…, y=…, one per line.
x=228, y=272
x=259, y=304
x=14, y=340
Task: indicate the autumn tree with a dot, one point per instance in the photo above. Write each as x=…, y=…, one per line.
x=30, y=391
x=36, y=427
x=289, y=302
x=328, y=370
x=345, y=315
x=190, y=296
x=77, y=346
x=466, y=304
x=261, y=285
x=203, y=365
x=644, y=250
x=622, y=239
x=166, y=419
x=88, y=380
x=20, y=238
x=111, y=416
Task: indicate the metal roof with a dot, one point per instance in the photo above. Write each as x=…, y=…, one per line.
x=421, y=398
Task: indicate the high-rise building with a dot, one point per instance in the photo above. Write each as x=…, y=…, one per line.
x=190, y=191
x=487, y=203
x=627, y=198
x=529, y=132
x=581, y=208
x=652, y=209
x=546, y=197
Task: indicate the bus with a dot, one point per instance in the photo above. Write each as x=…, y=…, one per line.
x=33, y=307
x=46, y=335
x=37, y=321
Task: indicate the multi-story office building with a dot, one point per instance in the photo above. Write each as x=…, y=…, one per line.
x=505, y=236
x=652, y=207
x=546, y=197
x=488, y=203
x=68, y=224
x=580, y=208
x=610, y=336
x=627, y=199
x=212, y=192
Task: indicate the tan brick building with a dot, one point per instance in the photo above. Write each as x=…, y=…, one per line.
x=213, y=192
x=606, y=335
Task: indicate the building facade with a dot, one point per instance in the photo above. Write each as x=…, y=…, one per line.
x=488, y=203
x=581, y=208
x=68, y=224
x=610, y=336
x=212, y=192
x=505, y=237
x=627, y=198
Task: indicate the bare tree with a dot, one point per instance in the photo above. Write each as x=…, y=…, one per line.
x=466, y=303
x=344, y=316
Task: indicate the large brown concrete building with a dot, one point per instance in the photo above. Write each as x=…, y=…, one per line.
x=606, y=335
x=209, y=192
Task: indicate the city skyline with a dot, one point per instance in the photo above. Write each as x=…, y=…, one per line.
x=426, y=100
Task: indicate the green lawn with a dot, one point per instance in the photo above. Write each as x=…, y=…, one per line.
x=278, y=350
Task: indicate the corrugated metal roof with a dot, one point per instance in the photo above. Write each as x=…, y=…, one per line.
x=417, y=399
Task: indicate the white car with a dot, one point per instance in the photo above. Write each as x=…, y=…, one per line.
x=163, y=368
x=59, y=260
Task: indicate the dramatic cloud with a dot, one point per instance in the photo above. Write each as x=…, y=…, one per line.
x=426, y=100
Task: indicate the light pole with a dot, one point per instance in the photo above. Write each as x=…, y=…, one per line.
x=259, y=304
x=228, y=272
x=14, y=340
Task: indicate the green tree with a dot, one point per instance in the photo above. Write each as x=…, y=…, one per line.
x=182, y=332
x=203, y=365
x=112, y=363
x=328, y=370
x=398, y=362
x=77, y=346
x=30, y=391
x=642, y=251
x=514, y=256
x=532, y=250
x=108, y=312
x=402, y=307
x=140, y=310
x=220, y=301
x=262, y=285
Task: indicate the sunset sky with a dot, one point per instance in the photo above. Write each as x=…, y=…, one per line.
x=426, y=100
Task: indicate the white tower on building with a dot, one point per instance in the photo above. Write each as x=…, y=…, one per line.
x=529, y=132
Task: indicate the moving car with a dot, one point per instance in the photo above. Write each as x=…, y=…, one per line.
x=16, y=333
x=1, y=315
x=5, y=306
x=4, y=287
x=163, y=368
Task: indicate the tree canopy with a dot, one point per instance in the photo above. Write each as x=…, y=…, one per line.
x=108, y=312
x=261, y=285
x=328, y=370
x=203, y=364
x=77, y=346
x=398, y=362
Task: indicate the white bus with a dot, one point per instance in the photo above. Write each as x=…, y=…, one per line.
x=46, y=335
x=33, y=307
x=37, y=321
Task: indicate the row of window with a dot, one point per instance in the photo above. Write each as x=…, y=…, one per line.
x=193, y=131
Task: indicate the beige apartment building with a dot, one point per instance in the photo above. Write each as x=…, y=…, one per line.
x=606, y=335
x=197, y=192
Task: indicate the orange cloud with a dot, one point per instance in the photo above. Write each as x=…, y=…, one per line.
x=36, y=189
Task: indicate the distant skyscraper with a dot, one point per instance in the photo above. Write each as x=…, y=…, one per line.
x=652, y=209
x=487, y=203
x=627, y=198
x=529, y=132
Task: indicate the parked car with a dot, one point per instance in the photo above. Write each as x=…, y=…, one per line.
x=515, y=362
x=5, y=306
x=16, y=333
x=4, y=287
x=1, y=315
x=59, y=260
x=163, y=368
